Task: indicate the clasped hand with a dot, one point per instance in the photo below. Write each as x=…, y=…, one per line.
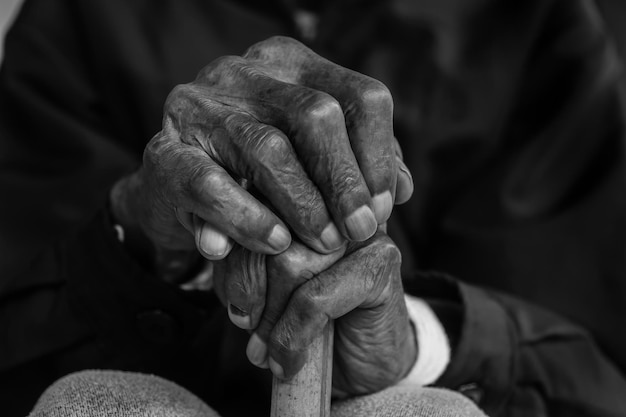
x=275, y=142
x=287, y=300
x=313, y=139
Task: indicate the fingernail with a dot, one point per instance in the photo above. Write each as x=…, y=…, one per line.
x=361, y=224
x=383, y=204
x=277, y=370
x=405, y=170
x=257, y=351
x=331, y=238
x=212, y=242
x=239, y=317
x=279, y=238
x=405, y=186
x=184, y=218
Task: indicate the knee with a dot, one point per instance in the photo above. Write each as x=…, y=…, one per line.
x=101, y=393
x=408, y=401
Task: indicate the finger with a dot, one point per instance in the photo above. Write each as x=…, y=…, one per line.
x=404, y=184
x=368, y=112
x=194, y=183
x=257, y=352
x=241, y=285
x=404, y=187
x=314, y=123
x=397, y=148
x=211, y=243
x=185, y=218
x=367, y=106
x=263, y=156
x=285, y=272
x=329, y=295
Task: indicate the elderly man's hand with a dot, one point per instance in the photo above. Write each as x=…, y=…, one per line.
x=315, y=140
x=361, y=289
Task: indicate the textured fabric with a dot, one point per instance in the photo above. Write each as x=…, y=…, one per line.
x=123, y=394
x=434, y=345
x=408, y=402
x=114, y=393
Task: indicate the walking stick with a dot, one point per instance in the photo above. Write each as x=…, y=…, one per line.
x=307, y=394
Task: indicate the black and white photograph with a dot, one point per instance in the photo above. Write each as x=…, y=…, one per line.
x=312, y=208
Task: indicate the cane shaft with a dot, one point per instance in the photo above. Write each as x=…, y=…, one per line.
x=307, y=394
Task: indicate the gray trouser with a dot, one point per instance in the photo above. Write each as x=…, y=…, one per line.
x=123, y=394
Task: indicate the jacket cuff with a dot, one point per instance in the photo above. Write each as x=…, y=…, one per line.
x=432, y=341
x=481, y=367
x=483, y=345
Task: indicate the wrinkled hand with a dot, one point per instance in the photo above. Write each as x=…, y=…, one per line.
x=315, y=140
x=292, y=296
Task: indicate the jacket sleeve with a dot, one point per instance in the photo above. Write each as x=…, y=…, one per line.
x=516, y=359
x=535, y=208
x=57, y=161
x=70, y=295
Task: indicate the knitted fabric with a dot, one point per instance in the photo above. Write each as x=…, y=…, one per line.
x=408, y=402
x=124, y=394
x=115, y=393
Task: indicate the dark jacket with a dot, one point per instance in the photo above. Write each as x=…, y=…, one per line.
x=511, y=120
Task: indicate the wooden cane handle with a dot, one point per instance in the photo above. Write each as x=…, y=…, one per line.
x=307, y=394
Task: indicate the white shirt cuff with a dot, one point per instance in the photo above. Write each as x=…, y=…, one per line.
x=434, y=347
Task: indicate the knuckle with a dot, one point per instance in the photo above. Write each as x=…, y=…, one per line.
x=154, y=148
x=178, y=100
x=380, y=252
x=187, y=103
x=282, y=339
x=203, y=181
x=238, y=125
x=345, y=186
x=392, y=253
x=219, y=69
x=346, y=183
x=376, y=96
x=305, y=302
x=158, y=153
x=261, y=50
x=311, y=210
x=320, y=108
x=272, y=48
x=299, y=263
x=271, y=154
x=372, y=98
x=263, y=141
x=272, y=148
x=387, y=249
x=249, y=290
x=239, y=289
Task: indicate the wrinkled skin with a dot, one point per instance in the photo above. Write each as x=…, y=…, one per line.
x=275, y=142
x=288, y=299
x=315, y=140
